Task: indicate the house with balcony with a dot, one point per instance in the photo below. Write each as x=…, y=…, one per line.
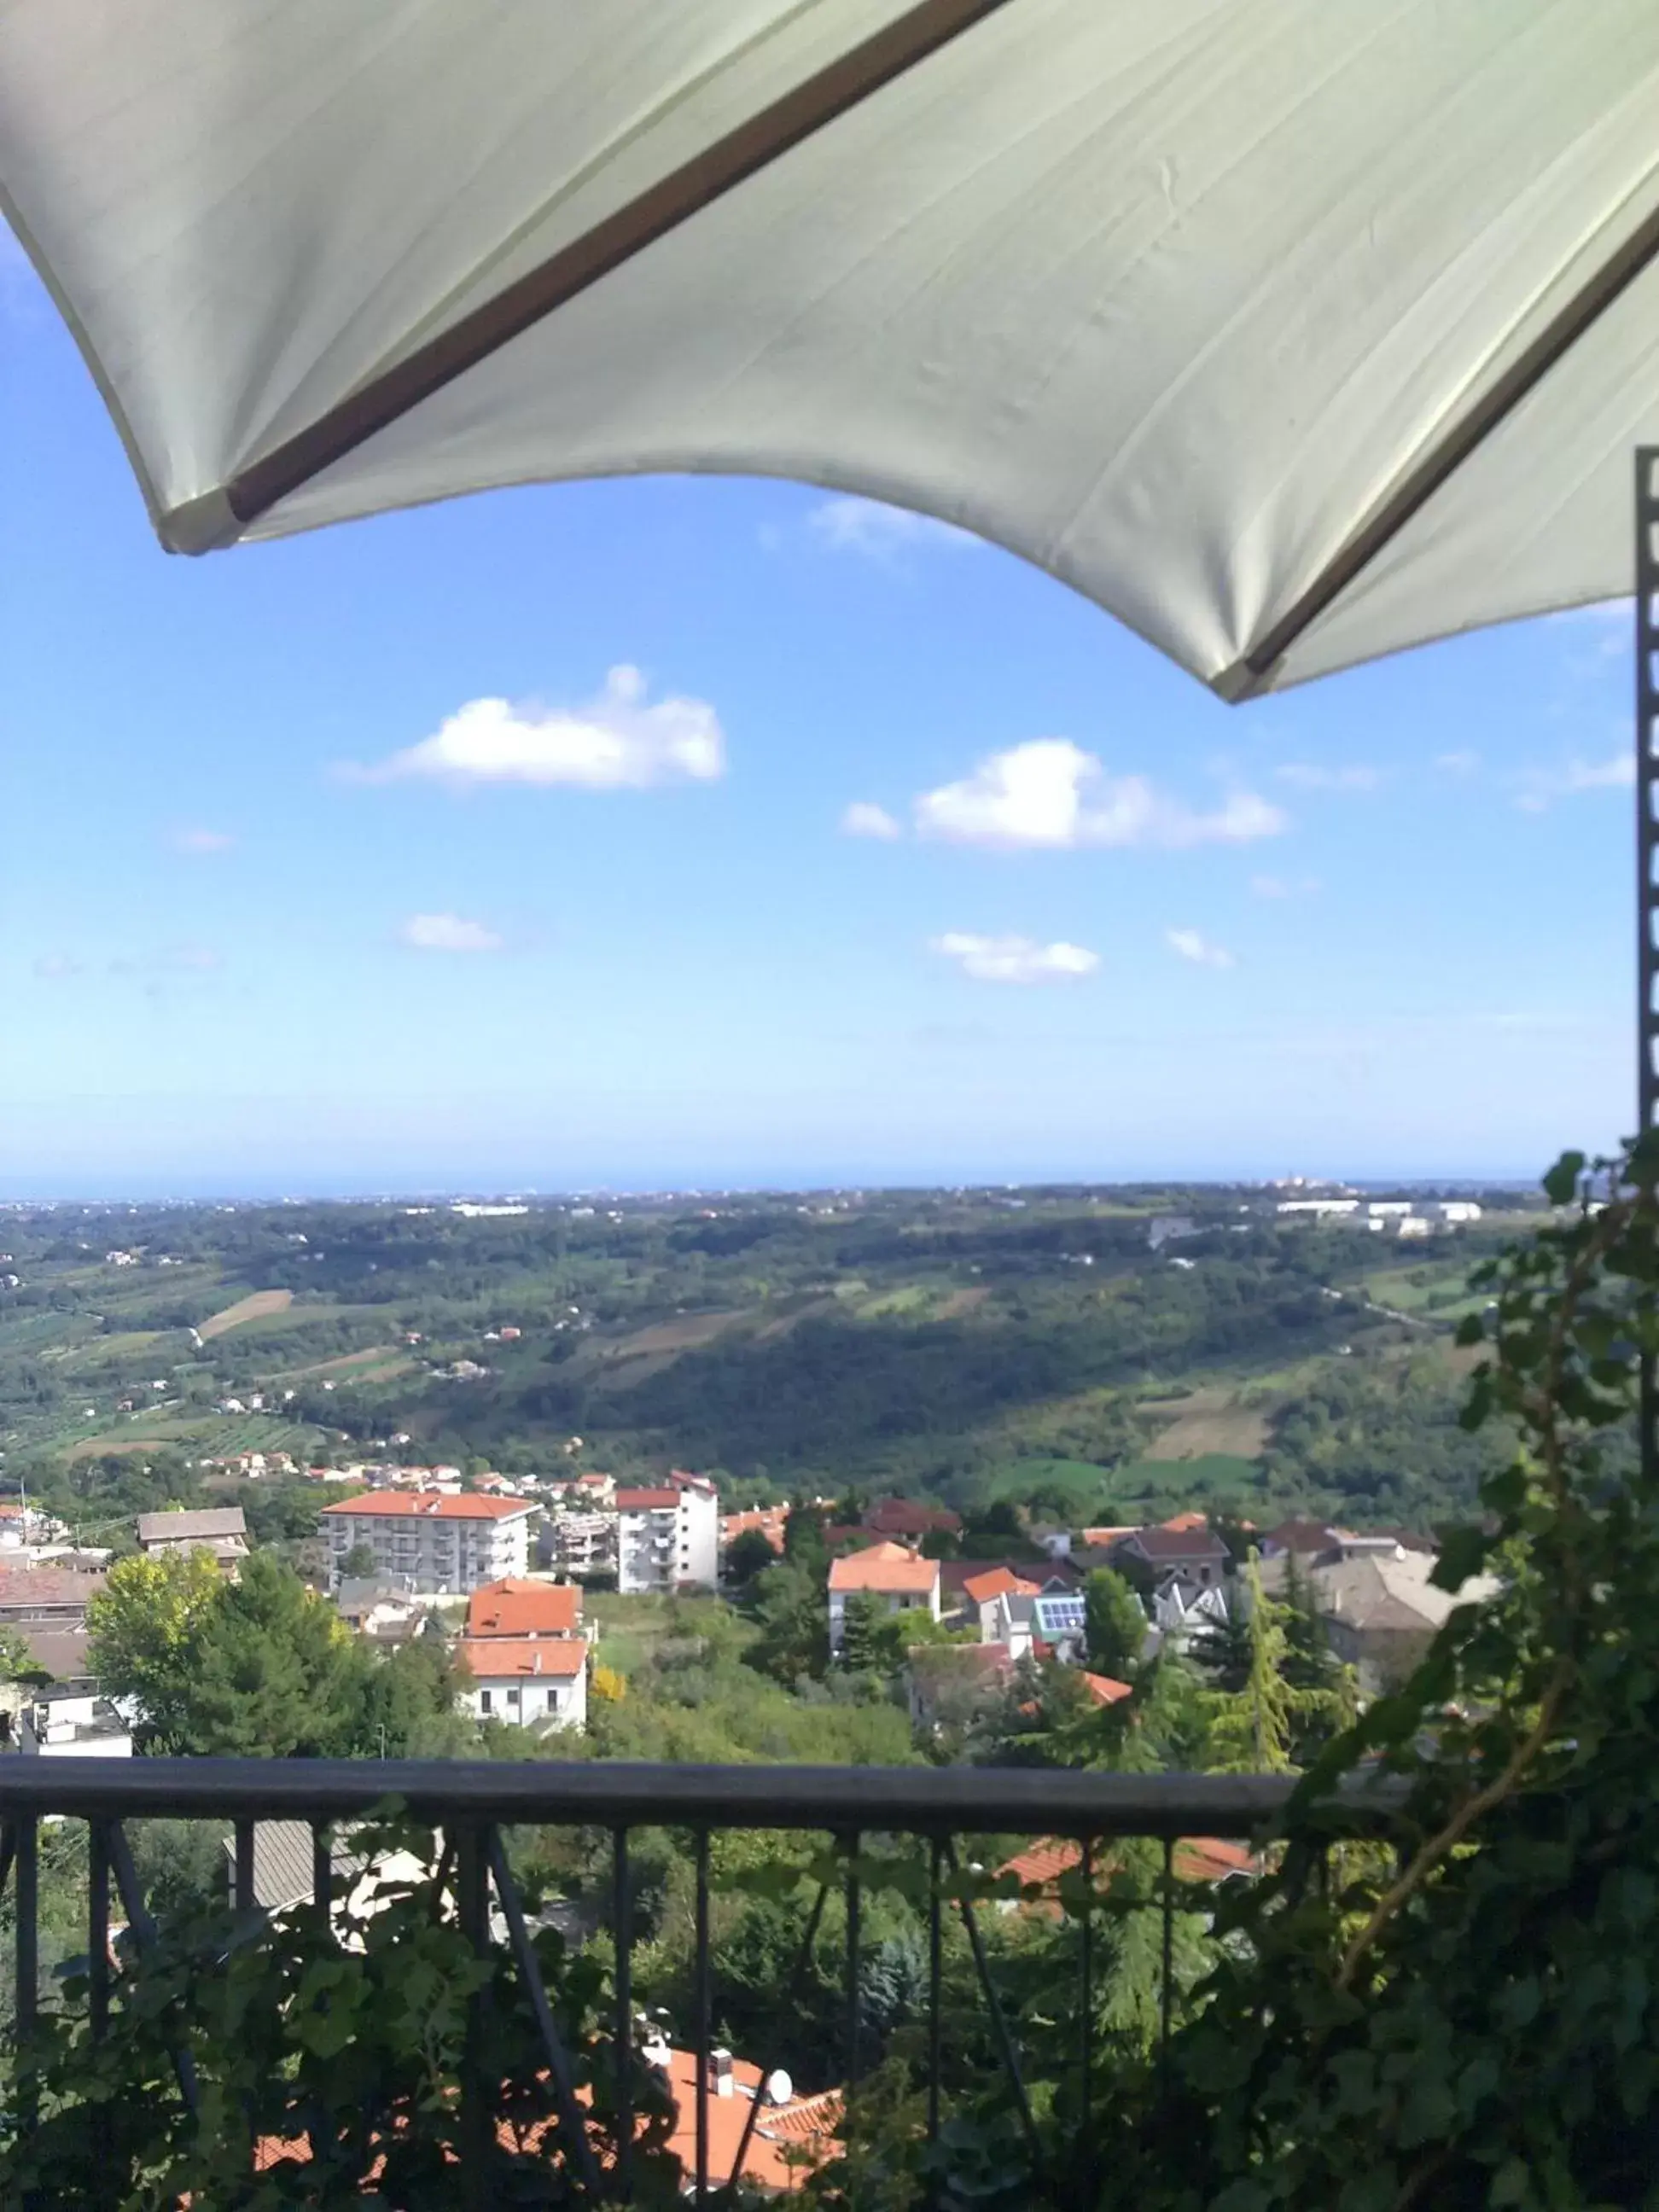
x=430, y=1541
x=581, y=1544
x=900, y=1580
x=668, y=1536
x=219, y=1529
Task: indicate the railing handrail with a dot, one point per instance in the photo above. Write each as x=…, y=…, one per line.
x=914, y=1800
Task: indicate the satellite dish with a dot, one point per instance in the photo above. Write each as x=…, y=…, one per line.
x=779, y=2088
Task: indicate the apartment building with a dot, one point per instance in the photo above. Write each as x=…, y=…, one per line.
x=582, y=1544
x=668, y=1537
x=431, y=1540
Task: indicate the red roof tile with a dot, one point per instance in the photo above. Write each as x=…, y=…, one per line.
x=1104, y=1690
x=647, y=1501
x=890, y=1569
x=430, y=1505
x=980, y=1588
x=507, y=1658
x=518, y=1606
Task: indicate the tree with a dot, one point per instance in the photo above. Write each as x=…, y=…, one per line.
x=1115, y=1624
x=749, y=1554
x=271, y=1671
x=860, y=1630
x=1269, y=1724
x=144, y=1632
x=787, y=1604
x=17, y=1662
x=358, y=1564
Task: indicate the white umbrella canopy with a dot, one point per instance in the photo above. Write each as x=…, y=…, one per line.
x=1291, y=331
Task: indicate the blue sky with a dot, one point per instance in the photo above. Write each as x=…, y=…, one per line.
x=289, y=905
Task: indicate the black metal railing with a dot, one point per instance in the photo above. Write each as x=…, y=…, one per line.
x=473, y=1804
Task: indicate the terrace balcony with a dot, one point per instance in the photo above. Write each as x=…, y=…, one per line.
x=596, y=2110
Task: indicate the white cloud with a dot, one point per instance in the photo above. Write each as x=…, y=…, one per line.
x=1318, y=776
x=864, y=819
x=58, y=967
x=449, y=932
x=1277, y=887
x=196, y=958
x=1191, y=945
x=1537, y=788
x=615, y=743
x=878, y=533
x=1050, y=792
x=1463, y=763
x=1014, y=959
x=202, y=840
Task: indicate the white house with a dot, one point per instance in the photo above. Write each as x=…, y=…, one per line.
x=69, y=1720
x=431, y=1540
x=535, y=1680
x=668, y=1537
x=900, y=1580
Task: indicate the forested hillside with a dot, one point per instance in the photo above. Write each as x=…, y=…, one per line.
x=967, y=1343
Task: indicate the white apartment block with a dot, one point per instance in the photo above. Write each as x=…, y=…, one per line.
x=583, y=1543
x=669, y=1538
x=430, y=1540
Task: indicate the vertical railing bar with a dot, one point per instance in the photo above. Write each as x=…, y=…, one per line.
x=28, y=1959
x=1646, y=582
x=935, y=1986
x=98, y=1929
x=143, y=1925
x=854, y=1912
x=797, y=1975
x=999, y=2021
x=622, y=1917
x=246, y=1888
x=701, y=2057
x=472, y=1908
x=1166, y=1980
x=97, y=1994
x=1087, y=2002
x=571, y=2118
x=322, y=1870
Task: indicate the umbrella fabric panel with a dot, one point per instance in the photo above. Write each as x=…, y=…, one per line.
x=1171, y=297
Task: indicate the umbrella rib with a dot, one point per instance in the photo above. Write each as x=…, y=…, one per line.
x=756, y=143
x=1606, y=284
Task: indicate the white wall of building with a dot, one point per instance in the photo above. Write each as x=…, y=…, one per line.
x=525, y=1700
x=440, y=1552
x=671, y=1548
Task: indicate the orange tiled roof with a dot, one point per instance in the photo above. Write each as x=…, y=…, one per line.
x=773, y=2159
x=806, y=2123
x=494, y=1658
x=1197, y=1859
x=994, y=1582
x=517, y=1606
x=892, y=1569
x=647, y=1501
x=1104, y=1690
x=431, y=1505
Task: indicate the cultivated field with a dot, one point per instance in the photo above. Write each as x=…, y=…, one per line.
x=258, y=1305
x=1212, y=1420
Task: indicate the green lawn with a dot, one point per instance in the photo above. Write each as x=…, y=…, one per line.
x=1210, y=1475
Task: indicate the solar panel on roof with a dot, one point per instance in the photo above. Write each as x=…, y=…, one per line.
x=1060, y=1616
